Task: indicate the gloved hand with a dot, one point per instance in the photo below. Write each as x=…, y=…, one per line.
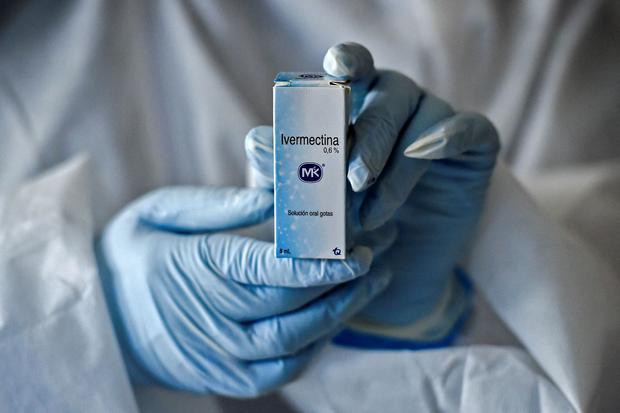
x=416, y=163
x=207, y=311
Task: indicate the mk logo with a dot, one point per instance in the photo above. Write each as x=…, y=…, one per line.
x=310, y=172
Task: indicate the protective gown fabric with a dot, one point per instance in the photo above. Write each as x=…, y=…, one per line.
x=447, y=380
x=163, y=93
x=554, y=292
x=58, y=351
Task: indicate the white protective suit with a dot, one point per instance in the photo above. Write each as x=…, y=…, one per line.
x=101, y=101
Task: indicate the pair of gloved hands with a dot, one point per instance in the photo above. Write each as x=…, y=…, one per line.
x=201, y=309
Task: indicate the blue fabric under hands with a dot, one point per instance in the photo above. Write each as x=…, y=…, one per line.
x=203, y=310
x=416, y=164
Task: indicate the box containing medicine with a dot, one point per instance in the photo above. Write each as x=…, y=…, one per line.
x=310, y=116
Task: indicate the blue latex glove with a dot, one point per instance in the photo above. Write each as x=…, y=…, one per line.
x=207, y=311
x=416, y=163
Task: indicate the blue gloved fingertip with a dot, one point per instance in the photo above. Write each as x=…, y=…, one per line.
x=259, y=137
x=348, y=60
x=429, y=146
x=359, y=175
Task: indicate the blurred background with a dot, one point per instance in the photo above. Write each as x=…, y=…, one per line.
x=172, y=87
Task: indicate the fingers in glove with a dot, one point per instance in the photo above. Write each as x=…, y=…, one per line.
x=469, y=141
x=401, y=174
x=388, y=106
x=463, y=150
x=250, y=261
x=259, y=152
x=245, y=302
x=267, y=375
x=352, y=61
x=203, y=209
x=288, y=333
x=238, y=378
x=465, y=133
